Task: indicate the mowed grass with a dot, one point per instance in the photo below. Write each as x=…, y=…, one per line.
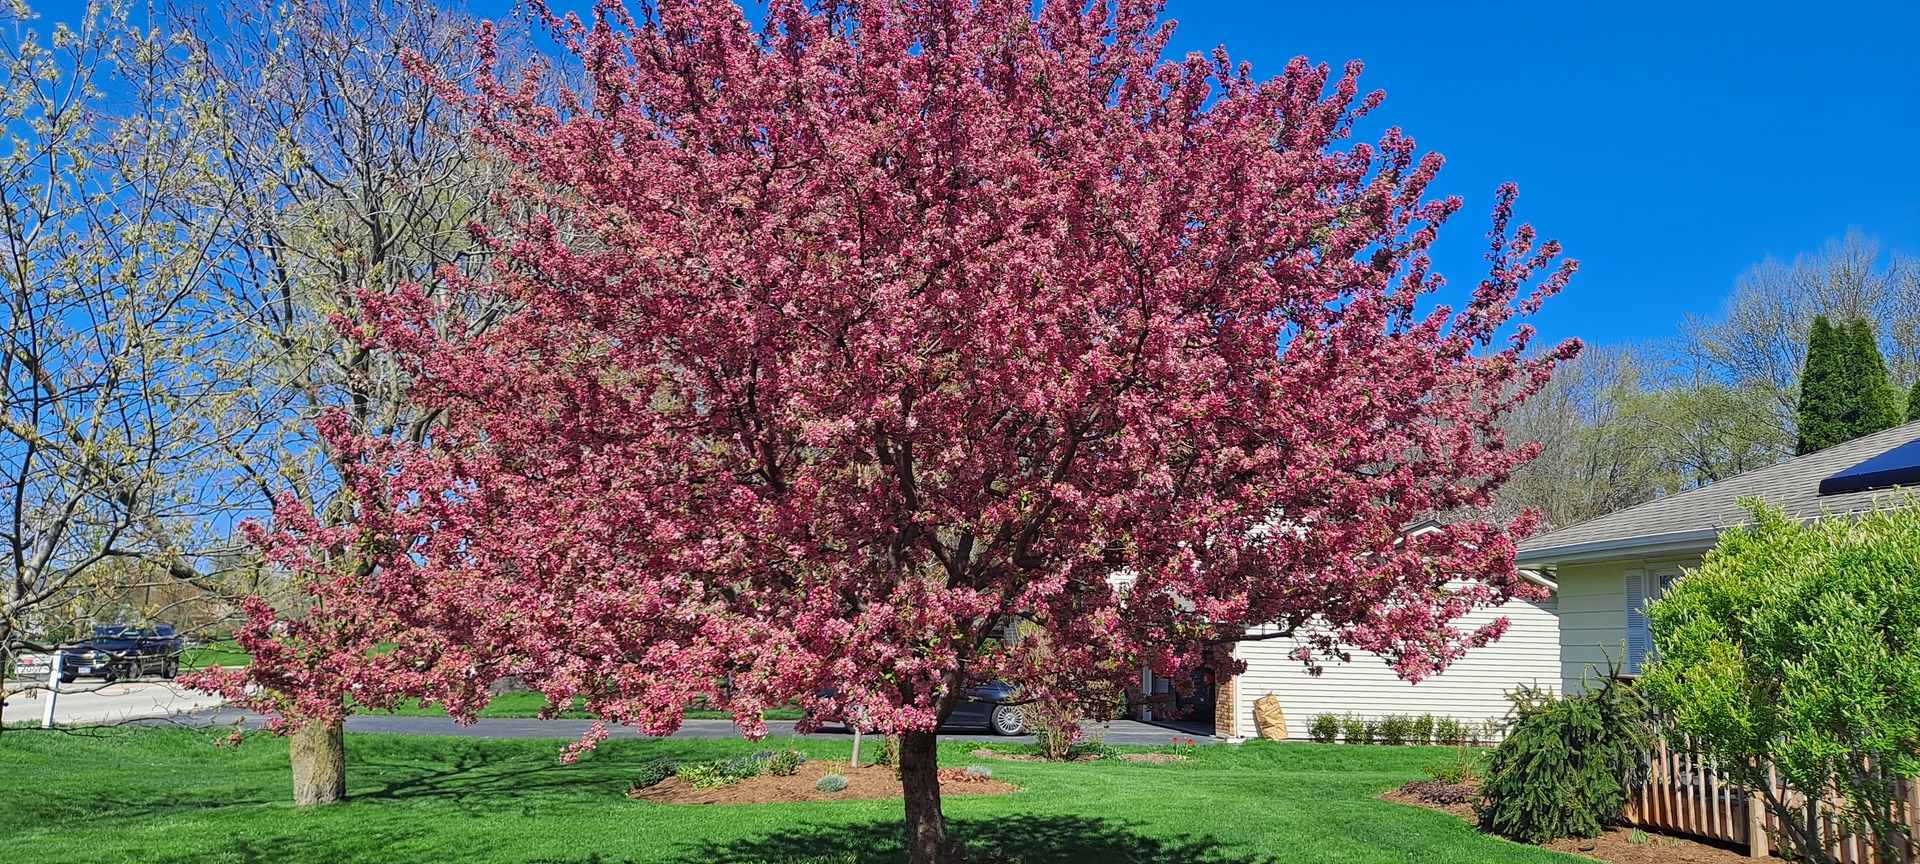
x=214, y=654
x=166, y=795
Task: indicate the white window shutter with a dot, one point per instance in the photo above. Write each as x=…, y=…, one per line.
x=1639, y=636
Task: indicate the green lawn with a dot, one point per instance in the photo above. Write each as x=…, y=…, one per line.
x=166, y=795
x=214, y=654
x=528, y=704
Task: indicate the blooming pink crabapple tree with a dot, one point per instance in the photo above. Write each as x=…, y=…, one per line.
x=853, y=337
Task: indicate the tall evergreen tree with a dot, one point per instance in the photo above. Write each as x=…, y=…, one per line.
x=1882, y=405
x=1821, y=398
x=1913, y=402
x=1845, y=391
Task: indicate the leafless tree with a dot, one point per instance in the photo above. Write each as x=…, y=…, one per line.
x=355, y=177
x=1760, y=336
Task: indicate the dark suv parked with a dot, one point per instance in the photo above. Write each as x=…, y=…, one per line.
x=985, y=705
x=123, y=651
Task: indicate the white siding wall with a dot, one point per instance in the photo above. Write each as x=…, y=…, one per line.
x=1474, y=688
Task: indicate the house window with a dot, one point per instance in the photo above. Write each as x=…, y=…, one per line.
x=1643, y=587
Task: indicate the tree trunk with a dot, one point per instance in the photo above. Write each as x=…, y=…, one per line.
x=319, y=755
x=6, y=656
x=920, y=779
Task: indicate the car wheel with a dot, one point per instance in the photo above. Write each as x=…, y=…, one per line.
x=68, y=677
x=1007, y=720
x=171, y=670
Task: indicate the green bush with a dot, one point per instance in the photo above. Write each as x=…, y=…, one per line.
x=1356, y=730
x=1462, y=766
x=1797, y=645
x=1422, y=730
x=1449, y=732
x=831, y=783
x=1395, y=730
x=653, y=771
x=786, y=763
x=720, y=772
x=1567, y=766
x=1324, y=729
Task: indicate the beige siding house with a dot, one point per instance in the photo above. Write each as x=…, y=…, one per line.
x=1608, y=567
x=1473, y=689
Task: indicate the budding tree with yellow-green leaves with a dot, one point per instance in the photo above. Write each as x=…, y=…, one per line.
x=110, y=424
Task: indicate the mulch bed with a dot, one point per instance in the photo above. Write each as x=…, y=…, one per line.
x=865, y=782
x=1155, y=758
x=984, y=753
x=1614, y=847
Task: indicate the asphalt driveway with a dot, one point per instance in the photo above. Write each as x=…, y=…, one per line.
x=1117, y=732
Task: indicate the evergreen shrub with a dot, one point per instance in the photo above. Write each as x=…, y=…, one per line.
x=1567, y=765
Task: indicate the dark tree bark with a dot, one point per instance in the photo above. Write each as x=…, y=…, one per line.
x=920, y=777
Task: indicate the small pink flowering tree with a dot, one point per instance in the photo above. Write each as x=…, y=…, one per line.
x=850, y=339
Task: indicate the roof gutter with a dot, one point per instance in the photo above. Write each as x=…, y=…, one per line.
x=1699, y=540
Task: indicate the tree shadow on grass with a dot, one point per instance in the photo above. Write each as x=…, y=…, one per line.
x=480, y=772
x=1003, y=840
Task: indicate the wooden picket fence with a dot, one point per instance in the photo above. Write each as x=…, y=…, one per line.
x=1683, y=794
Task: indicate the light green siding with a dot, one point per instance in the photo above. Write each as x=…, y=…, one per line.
x=1593, y=614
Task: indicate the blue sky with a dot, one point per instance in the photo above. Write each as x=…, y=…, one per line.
x=1669, y=146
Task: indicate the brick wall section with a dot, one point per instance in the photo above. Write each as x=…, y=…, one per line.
x=1223, y=708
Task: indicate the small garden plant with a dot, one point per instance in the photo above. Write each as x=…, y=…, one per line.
x=1395, y=730
x=1402, y=730
x=1325, y=729
x=1461, y=767
x=786, y=763
x=653, y=771
x=723, y=772
x=831, y=783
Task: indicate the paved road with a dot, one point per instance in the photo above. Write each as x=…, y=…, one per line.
x=1118, y=732
x=90, y=702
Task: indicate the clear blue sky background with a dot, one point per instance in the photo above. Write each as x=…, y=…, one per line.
x=1669, y=146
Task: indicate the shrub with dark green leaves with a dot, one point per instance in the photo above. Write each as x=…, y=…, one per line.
x=653, y=771
x=1422, y=730
x=1568, y=764
x=1449, y=732
x=831, y=783
x=1324, y=729
x=1356, y=730
x=1394, y=730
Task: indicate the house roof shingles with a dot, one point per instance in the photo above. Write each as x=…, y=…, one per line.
x=1694, y=517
